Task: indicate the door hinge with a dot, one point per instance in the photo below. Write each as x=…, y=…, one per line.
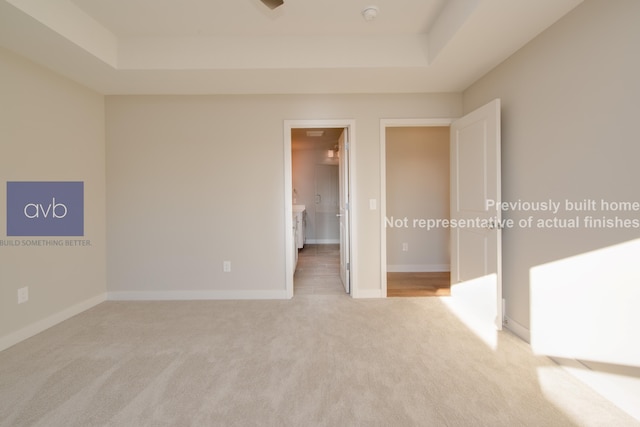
x=348, y=266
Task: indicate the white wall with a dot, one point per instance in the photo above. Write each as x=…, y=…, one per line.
x=569, y=106
x=571, y=103
x=52, y=130
x=195, y=180
x=417, y=186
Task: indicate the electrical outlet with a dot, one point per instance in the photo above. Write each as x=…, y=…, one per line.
x=23, y=295
x=405, y=247
x=226, y=266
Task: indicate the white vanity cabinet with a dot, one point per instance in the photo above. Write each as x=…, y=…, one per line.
x=299, y=225
x=298, y=231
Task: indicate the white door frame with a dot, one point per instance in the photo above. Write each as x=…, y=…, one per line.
x=288, y=196
x=384, y=124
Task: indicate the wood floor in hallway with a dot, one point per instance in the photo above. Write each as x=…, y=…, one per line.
x=318, y=271
x=423, y=284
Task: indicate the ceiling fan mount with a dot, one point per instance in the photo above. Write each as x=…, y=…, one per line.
x=272, y=4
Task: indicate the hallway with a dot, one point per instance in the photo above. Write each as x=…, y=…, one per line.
x=318, y=271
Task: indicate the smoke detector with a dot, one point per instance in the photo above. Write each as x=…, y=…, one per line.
x=370, y=13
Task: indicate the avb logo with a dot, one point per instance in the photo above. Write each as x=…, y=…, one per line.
x=45, y=208
x=33, y=210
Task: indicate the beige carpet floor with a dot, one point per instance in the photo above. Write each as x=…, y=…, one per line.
x=315, y=360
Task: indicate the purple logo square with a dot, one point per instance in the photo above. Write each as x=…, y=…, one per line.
x=45, y=208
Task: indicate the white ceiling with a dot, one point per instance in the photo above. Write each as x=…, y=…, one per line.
x=242, y=47
x=176, y=18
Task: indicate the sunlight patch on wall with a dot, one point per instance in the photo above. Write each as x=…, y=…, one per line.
x=587, y=307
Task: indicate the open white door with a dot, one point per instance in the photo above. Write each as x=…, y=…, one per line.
x=344, y=214
x=476, y=282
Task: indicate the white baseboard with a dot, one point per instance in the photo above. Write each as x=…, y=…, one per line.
x=44, y=324
x=517, y=329
x=369, y=293
x=418, y=268
x=620, y=389
x=195, y=295
x=322, y=241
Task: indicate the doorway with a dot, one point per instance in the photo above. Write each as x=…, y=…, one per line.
x=322, y=190
x=475, y=229
x=414, y=189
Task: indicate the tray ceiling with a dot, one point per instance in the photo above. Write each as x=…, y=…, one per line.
x=242, y=47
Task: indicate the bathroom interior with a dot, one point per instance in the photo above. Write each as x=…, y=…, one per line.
x=315, y=180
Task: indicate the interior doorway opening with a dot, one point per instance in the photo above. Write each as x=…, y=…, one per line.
x=318, y=156
x=475, y=229
x=415, y=174
x=315, y=178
